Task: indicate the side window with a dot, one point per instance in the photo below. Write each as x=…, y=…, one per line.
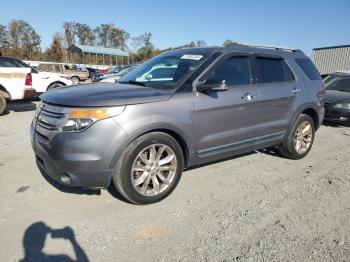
x=57, y=68
x=273, y=70
x=309, y=69
x=11, y=62
x=66, y=67
x=233, y=71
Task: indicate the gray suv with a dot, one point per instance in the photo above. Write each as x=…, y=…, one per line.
x=180, y=109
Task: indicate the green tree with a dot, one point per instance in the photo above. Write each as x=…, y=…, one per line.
x=4, y=37
x=117, y=38
x=56, y=52
x=24, y=40
x=102, y=32
x=227, y=42
x=85, y=34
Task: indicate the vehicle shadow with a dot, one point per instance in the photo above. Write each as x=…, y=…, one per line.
x=220, y=160
x=34, y=242
x=271, y=151
x=335, y=124
x=20, y=106
x=81, y=191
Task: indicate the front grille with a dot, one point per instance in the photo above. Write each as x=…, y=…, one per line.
x=51, y=117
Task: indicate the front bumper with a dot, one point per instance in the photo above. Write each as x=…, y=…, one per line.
x=82, y=159
x=336, y=114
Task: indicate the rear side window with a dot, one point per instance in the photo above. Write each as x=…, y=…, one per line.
x=11, y=62
x=273, y=70
x=233, y=71
x=309, y=69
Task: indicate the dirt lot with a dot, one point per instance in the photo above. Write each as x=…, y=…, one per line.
x=257, y=207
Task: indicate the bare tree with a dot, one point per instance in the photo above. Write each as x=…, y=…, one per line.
x=69, y=32
x=201, y=43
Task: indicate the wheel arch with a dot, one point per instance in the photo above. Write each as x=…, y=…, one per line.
x=310, y=110
x=56, y=82
x=178, y=135
x=313, y=114
x=4, y=92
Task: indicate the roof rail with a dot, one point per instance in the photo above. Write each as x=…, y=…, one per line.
x=267, y=47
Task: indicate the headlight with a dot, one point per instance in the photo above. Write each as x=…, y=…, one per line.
x=80, y=119
x=342, y=106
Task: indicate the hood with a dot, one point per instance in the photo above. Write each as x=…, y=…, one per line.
x=104, y=94
x=335, y=96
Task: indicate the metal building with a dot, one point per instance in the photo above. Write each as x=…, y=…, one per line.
x=331, y=59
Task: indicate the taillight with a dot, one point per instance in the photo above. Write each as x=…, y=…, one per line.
x=29, y=79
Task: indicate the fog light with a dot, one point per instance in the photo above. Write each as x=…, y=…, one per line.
x=65, y=179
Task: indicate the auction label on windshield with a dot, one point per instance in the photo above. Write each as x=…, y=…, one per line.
x=192, y=57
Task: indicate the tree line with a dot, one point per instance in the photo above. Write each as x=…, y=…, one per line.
x=19, y=39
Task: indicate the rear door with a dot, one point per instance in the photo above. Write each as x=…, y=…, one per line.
x=279, y=93
x=225, y=120
x=12, y=76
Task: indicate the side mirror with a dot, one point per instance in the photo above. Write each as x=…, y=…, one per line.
x=215, y=85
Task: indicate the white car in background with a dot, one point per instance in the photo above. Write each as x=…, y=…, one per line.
x=20, y=81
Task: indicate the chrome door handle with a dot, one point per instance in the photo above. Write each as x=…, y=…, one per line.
x=296, y=90
x=247, y=97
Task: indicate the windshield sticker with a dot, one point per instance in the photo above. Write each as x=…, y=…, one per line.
x=192, y=57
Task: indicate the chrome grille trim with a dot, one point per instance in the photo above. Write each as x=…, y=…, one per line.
x=50, y=117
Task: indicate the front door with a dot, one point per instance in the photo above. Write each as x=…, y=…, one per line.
x=224, y=120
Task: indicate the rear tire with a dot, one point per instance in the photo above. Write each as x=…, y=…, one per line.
x=54, y=85
x=2, y=104
x=75, y=80
x=140, y=177
x=300, y=138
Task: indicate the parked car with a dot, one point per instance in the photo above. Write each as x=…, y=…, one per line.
x=19, y=81
x=113, y=78
x=141, y=134
x=93, y=73
x=337, y=101
x=75, y=75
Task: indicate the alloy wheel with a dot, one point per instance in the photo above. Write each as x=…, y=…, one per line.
x=303, y=137
x=154, y=169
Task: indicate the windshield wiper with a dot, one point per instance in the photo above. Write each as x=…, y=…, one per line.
x=132, y=82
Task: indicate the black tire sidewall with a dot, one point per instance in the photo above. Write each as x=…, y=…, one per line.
x=2, y=104
x=122, y=174
x=54, y=85
x=290, y=147
x=74, y=78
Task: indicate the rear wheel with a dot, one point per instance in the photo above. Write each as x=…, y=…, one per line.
x=75, y=80
x=54, y=85
x=2, y=104
x=149, y=168
x=300, y=139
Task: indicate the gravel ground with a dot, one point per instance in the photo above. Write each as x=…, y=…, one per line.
x=257, y=207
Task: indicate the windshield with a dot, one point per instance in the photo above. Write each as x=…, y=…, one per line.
x=338, y=83
x=165, y=71
x=115, y=69
x=125, y=71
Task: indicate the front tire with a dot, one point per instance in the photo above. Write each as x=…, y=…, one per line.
x=149, y=169
x=2, y=104
x=300, y=139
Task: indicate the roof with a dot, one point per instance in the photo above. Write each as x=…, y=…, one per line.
x=331, y=47
x=97, y=50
